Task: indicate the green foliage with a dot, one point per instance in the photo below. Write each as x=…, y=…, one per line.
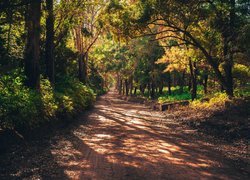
x=241, y=74
x=73, y=96
x=177, y=96
x=242, y=91
x=18, y=104
x=96, y=81
x=172, y=98
x=216, y=100
x=21, y=107
x=48, y=102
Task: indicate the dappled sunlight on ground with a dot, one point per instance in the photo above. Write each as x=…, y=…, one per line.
x=120, y=140
x=127, y=141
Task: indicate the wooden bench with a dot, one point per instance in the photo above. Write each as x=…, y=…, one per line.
x=170, y=105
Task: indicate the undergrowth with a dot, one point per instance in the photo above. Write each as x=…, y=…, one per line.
x=22, y=107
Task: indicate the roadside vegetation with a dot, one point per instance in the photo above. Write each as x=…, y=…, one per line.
x=57, y=56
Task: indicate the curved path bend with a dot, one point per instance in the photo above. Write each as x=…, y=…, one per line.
x=120, y=140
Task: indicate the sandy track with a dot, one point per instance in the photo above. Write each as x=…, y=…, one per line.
x=119, y=140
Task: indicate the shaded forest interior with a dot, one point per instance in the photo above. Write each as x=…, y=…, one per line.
x=58, y=57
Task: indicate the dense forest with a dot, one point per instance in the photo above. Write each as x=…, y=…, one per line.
x=56, y=56
x=124, y=89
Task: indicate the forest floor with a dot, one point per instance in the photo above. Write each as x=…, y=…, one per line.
x=123, y=140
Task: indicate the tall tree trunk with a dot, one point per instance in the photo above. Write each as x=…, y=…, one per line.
x=228, y=37
x=205, y=80
x=49, y=51
x=131, y=86
x=118, y=82
x=193, y=74
x=135, y=89
x=123, y=88
x=182, y=81
x=189, y=83
x=149, y=89
x=120, y=86
x=32, y=51
x=161, y=87
x=169, y=84
x=126, y=87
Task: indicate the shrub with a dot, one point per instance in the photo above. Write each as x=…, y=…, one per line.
x=22, y=108
x=18, y=106
x=216, y=100
x=177, y=97
x=73, y=96
x=48, y=102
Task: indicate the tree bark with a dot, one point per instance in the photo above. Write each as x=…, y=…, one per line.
x=193, y=74
x=131, y=86
x=182, y=81
x=120, y=86
x=123, y=88
x=142, y=89
x=126, y=87
x=49, y=50
x=135, y=89
x=205, y=80
x=161, y=87
x=149, y=89
x=32, y=51
x=169, y=84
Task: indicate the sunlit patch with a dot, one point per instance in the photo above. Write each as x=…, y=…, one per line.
x=164, y=151
x=175, y=160
x=197, y=164
x=73, y=174
x=103, y=135
x=206, y=174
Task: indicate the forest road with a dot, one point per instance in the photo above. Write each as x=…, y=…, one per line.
x=120, y=140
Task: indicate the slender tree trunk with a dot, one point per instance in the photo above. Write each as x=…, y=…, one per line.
x=32, y=51
x=169, y=84
x=205, y=80
x=79, y=46
x=131, y=86
x=161, y=87
x=126, y=87
x=118, y=82
x=123, y=88
x=49, y=50
x=189, y=83
x=193, y=74
x=120, y=86
x=135, y=89
x=149, y=89
x=182, y=81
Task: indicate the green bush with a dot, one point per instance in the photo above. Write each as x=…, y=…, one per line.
x=73, y=96
x=21, y=107
x=177, y=97
x=47, y=99
x=18, y=104
x=217, y=99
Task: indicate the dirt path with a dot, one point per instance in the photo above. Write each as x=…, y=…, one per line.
x=119, y=140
